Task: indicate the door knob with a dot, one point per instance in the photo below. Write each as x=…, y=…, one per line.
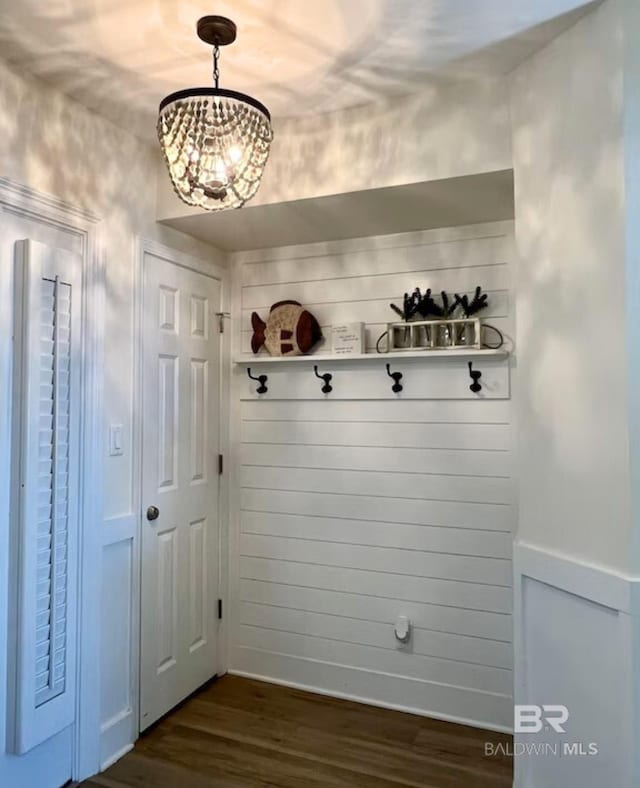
x=153, y=513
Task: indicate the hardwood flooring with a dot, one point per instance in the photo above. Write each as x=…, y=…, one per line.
x=238, y=733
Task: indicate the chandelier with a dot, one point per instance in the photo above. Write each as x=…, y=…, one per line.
x=215, y=141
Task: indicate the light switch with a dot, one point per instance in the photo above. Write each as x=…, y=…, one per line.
x=115, y=440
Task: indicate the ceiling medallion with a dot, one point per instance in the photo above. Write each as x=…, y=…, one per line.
x=215, y=141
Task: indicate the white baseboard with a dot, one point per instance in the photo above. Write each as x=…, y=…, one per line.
x=116, y=738
x=116, y=757
x=399, y=693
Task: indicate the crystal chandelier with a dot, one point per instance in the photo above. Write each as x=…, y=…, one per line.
x=215, y=141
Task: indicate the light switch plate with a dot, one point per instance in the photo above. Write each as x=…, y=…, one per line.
x=115, y=440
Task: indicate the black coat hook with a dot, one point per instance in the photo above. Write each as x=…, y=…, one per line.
x=261, y=379
x=397, y=377
x=326, y=377
x=475, y=376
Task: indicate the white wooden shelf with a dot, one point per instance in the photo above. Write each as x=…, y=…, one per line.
x=410, y=355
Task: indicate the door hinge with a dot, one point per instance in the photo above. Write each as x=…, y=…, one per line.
x=220, y=464
x=220, y=609
x=221, y=316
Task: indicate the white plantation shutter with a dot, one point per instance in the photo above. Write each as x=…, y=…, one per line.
x=52, y=489
x=45, y=511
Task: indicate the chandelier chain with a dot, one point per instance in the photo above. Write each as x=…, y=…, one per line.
x=216, y=69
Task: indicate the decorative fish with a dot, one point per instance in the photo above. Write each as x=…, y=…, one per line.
x=290, y=330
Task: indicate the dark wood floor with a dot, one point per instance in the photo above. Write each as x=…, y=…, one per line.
x=238, y=733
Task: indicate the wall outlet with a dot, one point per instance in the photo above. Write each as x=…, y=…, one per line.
x=403, y=630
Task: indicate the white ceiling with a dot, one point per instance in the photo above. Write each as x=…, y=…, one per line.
x=120, y=57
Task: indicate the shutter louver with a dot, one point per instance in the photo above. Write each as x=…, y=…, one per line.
x=53, y=491
x=45, y=503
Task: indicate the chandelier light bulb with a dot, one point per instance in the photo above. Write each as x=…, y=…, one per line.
x=215, y=141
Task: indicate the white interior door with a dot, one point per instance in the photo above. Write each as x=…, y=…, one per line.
x=180, y=446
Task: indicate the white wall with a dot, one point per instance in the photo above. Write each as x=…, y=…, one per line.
x=361, y=505
x=574, y=560
x=632, y=249
x=450, y=129
x=632, y=239
x=56, y=146
x=570, y=229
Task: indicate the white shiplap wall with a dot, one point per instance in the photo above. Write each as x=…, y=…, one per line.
x=360, y=505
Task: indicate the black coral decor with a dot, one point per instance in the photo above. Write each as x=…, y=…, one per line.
x=449, y=308
x=479, y=301
x=425, y=305
x=409, y=305
x=428, y=307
